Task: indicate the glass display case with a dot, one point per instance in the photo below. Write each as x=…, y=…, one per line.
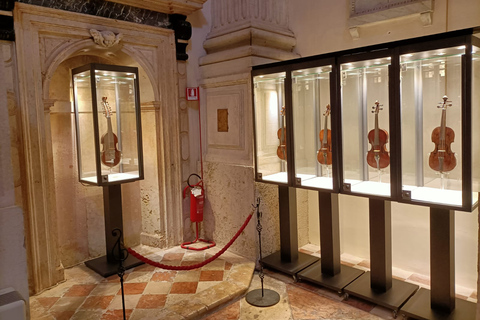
x=107, y=115
x=270, y=127
x=439, y=111
x=311, y=106
x=365, y=95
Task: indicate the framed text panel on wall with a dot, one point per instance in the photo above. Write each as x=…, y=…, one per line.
x=369, y=11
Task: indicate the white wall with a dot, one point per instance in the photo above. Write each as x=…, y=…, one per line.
x=321, y=27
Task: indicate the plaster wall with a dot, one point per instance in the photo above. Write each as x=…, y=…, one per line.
x=322, y=27
x=410, y=224
x=13, y=265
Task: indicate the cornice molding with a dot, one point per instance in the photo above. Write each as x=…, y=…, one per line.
x=184, y=7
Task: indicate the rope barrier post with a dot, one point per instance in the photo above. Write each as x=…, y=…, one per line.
x=261, y=297
x=121, y=256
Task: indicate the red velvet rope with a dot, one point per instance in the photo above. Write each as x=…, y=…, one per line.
x=194, y=266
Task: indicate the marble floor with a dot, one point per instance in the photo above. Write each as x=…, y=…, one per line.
x=214, y=292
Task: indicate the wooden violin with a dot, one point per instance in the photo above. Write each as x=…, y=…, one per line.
x=442, y=158
x=281, y=134
x=110, y=155
x=377, y=156
x=324, y=155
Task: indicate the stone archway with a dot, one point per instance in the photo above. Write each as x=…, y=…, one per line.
x=44, y=39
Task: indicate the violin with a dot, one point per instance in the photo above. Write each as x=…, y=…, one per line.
x=281, y=134
x=442, y=158
x=377, y=156
x=110, y=155
x=324, y=155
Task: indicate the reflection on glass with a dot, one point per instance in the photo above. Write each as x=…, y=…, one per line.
x=431, y=111
x=365, y=125
x=270, y=128
x=475, y=123
x=312, y=126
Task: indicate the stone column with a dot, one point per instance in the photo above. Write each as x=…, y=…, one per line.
x=243, y=34
x=13, y=261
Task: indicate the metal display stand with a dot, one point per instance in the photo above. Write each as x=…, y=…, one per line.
x=261, y=297
x=328, y=271
x=107, y=265
x=288, y=259
x=440, y=303
x=378, y=286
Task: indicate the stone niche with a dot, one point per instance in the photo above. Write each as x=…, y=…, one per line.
x=64, y=219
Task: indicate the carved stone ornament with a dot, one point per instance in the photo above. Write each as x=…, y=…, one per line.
x=105, y=39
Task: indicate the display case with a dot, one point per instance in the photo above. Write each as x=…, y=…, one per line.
x=365, y=124
x=312, y=125
x=107, y=114
x=271, y=130
x=440, y=107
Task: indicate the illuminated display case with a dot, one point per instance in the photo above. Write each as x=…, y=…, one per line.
x=270, y=127
x=440, y=107
x=365, y=102
x=312, y=124
x=107, y=114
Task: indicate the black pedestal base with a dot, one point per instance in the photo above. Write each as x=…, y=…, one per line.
x=393, y=298
x=419, y=307
x=336, y=282
x=106, y=269
x=268, y=299
x=274, y=261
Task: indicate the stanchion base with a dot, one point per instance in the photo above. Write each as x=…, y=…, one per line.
x=336, y=282
x=274, y=261
x=106, y=269
x=419, y=307
x=268, y=299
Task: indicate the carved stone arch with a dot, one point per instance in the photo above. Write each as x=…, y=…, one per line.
x=44, y=39
x=69, y=49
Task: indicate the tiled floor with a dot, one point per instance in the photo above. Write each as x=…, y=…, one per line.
x=150, y=292
x=214, y=292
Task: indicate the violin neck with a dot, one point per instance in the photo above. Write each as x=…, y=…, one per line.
x=325, y=131
x=376, y=141
x=111, y=144
x=443, y=125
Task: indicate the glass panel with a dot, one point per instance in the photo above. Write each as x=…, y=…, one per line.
x=365, y=125
x=312, y=128
x=475, y=123
x=270, y=128
x=83, y=113
x=117, y=124
x=431, y=105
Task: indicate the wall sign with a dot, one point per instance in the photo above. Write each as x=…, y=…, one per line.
x=369, y=11
x=192, y=93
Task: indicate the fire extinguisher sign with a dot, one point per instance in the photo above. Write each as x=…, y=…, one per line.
x=192, y=93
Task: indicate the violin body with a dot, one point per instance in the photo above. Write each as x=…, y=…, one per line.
x=377, y=156
x=282, y=147
x=442, y=159
x=110, y=155
x=378, y=149
x=324, y=155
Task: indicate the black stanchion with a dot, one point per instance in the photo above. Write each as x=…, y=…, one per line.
x=261, y=297
x=121, y=255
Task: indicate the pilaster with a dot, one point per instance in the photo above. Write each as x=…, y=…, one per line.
x=243, y=34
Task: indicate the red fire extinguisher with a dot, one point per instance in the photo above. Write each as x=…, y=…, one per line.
x=197, y=199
